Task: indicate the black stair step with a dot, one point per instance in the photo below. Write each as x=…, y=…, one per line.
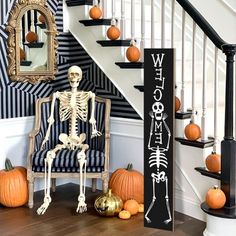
x=34, y=45
x=41, y=25
x=114, y=43
x=72, y=3
x=139, y=87
x=198, y=144
x=130, y=65
x=205, y=172
x=183, y=115
x=96, y=22
x=25, y=63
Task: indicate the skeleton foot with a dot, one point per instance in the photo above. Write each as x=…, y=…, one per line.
x=147, y=219
x=82, y=206
x=42, y=209
x=167, y=221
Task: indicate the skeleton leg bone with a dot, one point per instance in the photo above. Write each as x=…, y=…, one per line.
x=47, y=178
x=167, y=202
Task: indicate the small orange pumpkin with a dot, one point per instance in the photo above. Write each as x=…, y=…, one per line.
x=132, y=206
x=42, y=19
x=127, y=184
x=113, y=32
x=13, y=185
x=192, y=131
x=141, y=208
x=133, y=53
x=177, y=104
x=124, y=215
x=215, y=198
x=22, y=55
x=95, y=12
x=31, y=37
x=213, y=162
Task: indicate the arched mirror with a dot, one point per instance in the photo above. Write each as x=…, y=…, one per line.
x=31, y=42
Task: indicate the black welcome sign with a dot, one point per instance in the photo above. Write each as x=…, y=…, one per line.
x=158, y=137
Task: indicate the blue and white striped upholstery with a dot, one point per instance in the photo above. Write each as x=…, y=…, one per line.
x=65, y=160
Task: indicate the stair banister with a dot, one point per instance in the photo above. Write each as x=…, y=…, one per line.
x=193, y=73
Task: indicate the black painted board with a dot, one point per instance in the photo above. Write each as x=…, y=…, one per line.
x=158, y=138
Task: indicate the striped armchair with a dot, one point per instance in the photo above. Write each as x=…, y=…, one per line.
x=65, y=165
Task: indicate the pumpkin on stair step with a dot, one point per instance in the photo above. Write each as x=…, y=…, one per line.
x=113, y=32
x=95, y=12
x=42, y=19
x=215, y=198
x=213, y=162
x=22, y=55
x=133, y=53
x=31, y=37
x=177, y=104
x=192, y=131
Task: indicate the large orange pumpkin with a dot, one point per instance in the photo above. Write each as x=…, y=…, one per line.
x=133, y=54
x=177, y=104
x=215, y=198
x=127, y=184
x=95, y=12
x=31, y=37
x=13, y=186
x=131, y=206
x=113, y=32
x=192, y=131
x=213, y=162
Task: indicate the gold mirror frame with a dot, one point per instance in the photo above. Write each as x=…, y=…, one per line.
x=14, y=28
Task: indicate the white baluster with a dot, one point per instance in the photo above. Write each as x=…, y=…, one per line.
x=132, y=19
x=172, y=22
x=122, y=20
x=204, y=87
x=183, y=61
x=113, y=9
x=163, y=38
x=216, y=85
x=104, y=8
x=193, y=73
x=152, y=24
x=32, y=21
x=142, y=43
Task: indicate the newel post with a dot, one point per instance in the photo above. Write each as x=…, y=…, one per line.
x=228, y=145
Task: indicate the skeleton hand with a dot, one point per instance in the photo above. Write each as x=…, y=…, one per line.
x=95, y=133
x=43, y=143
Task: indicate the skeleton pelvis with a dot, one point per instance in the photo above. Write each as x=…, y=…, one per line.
x=72, y=142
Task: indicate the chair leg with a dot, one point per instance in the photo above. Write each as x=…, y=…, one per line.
x=53, y=185
x=105, y=184
x=94, y=185
x=31, y=193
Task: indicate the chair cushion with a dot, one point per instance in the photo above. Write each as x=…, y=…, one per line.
x=66, y=161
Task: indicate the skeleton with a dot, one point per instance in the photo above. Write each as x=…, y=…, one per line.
x=158, y=158
x=73, y=106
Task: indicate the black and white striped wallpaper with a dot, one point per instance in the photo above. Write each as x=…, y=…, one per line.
x=17, y=99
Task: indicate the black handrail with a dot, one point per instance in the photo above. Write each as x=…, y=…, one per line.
x=202, y=23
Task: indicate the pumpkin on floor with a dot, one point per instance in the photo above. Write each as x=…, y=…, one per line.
x=215, y=198
x=177, y=104
x=213, y=162
x=31, y=37
x=108, y=204
x=128, y=184
x=124, y=215
x=113, y=32
x=133, y=53
x=192, y=131
x=131, y=206
x=95, y=12
x=13, y=185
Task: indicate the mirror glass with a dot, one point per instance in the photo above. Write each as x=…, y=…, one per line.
x=33, y=42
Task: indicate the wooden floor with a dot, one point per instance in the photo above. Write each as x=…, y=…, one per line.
x=61, y=219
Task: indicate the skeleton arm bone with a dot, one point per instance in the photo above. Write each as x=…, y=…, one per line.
x=50, y=119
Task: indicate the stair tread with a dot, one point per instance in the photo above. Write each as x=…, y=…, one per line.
x=205, y=172
x=41, y=25
x=34, y=45
x=25, y=63
x=71, y=3
x=130, y=65
x=96, y=22
x=183, y=115
x=114, y=43
x=198, y=143
x=139, y=87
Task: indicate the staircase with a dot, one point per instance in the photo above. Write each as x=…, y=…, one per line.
x=200, y=81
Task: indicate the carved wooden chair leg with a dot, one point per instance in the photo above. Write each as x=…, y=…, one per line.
x=53, y=185
x=105, y=178
x=31, y=193
x=94, y=185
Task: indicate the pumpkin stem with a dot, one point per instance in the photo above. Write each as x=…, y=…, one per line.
x=8, y=165
x=130, y=166
x=109, y=192
x=215, y=187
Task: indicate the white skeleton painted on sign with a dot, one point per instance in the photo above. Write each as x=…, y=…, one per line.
x=73, y=106
x=158, y=157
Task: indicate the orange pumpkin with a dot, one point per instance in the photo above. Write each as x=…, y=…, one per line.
x=124, y=215
x=22, y=55
x=177, y=104
x=13, y=186
x=141, y=208
x=132, y=206
x=192, y=131
x=31, y=37
x=95, y=12
x=42, y=19
x=133, y=54
x=215, y=198
x=213, y=162
x=127, y=184
x=113, y=32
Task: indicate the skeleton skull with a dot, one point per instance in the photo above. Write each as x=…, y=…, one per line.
x=74, y=76
x=157, y=109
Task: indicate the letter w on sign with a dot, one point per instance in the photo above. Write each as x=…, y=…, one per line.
x=158, y=137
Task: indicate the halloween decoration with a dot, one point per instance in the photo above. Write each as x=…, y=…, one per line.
x=215, y=198
x=124, y=215
x=133, y=53
x=22, y=55
x=192, y=131
x=113, y=32
x=13, y=185
x=108, y=204
x=132, y=206
x=31, y=37
x=73, y=106
x=213, y=162
x=95, y=12
x=177, y=104
x=128, y=184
